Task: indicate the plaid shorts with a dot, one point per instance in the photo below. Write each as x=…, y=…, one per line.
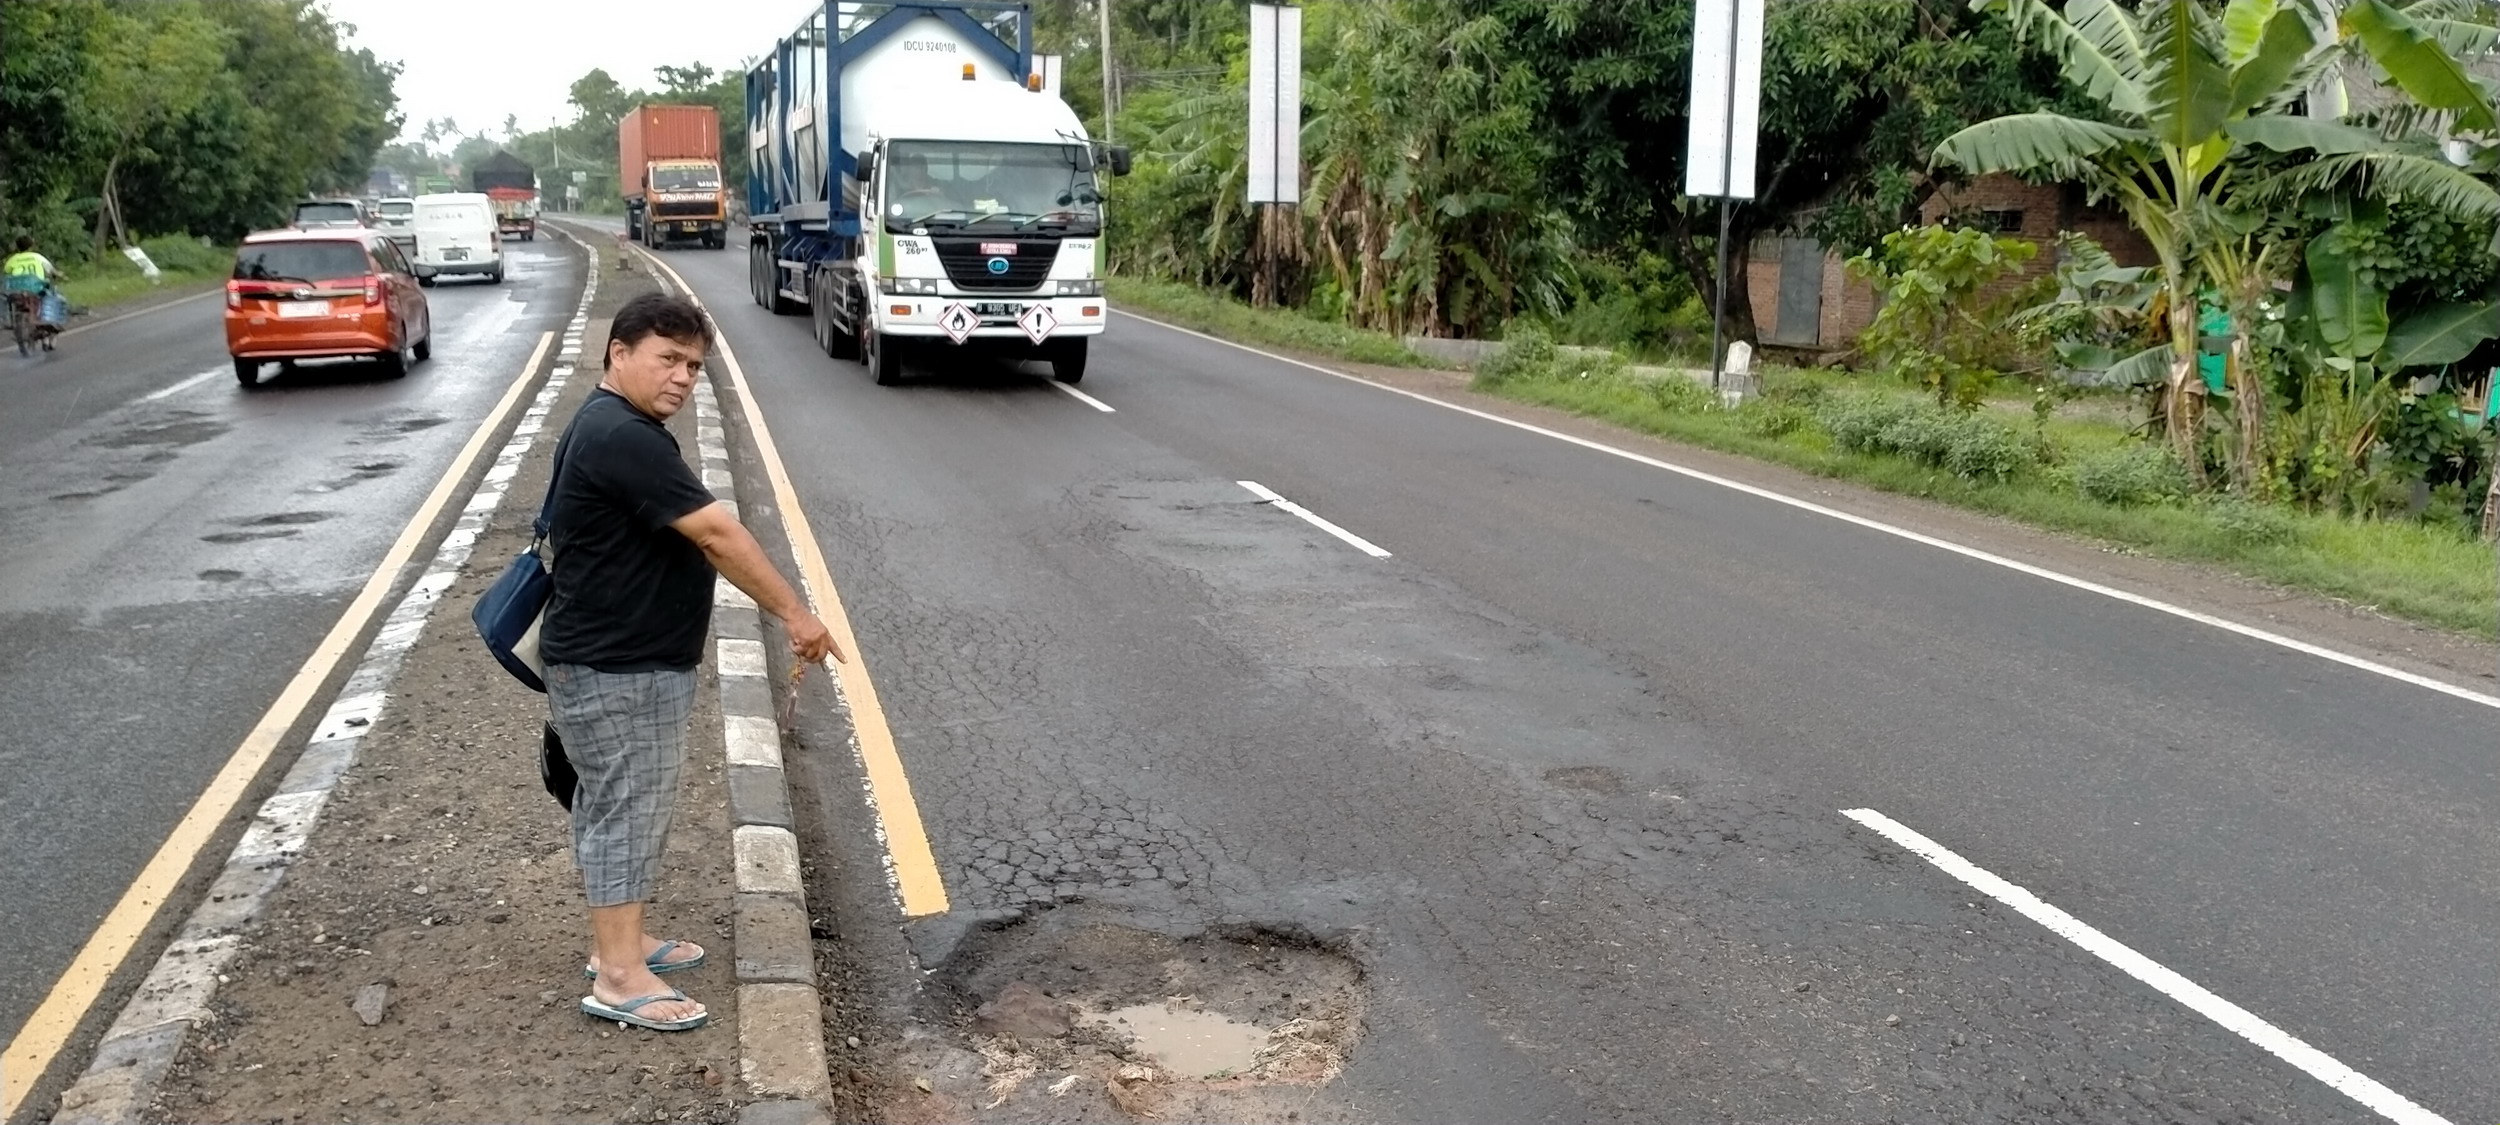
x=625, y=733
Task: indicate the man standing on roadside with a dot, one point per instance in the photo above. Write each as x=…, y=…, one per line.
x=634, y=543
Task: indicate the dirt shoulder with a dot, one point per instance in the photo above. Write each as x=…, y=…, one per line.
x=440, y=882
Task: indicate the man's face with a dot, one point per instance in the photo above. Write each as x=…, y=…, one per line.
x=656, y=373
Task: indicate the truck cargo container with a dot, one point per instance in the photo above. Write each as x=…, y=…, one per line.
x=668, y=169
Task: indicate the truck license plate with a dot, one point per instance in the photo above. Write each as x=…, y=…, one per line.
x=997, y=308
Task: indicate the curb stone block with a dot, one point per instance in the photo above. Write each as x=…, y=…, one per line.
x=774, y=944
x=768, y=861
x=758, y=796
x=781, y=1044
x=784, y=1113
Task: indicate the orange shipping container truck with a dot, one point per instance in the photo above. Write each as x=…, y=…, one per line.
x=668, y=168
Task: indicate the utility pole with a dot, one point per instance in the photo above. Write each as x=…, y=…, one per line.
x=1110, y=102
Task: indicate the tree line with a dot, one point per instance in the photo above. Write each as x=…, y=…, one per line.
x=206, y=117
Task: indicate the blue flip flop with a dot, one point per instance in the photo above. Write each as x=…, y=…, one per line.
x=658, y=962
x=624, y=1012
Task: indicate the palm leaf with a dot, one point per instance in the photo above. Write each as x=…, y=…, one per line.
x=2244, y=24
x=2463, y=38
x=2096, y=43
x=2284, y=133
x=2048, y=142
x=2418, y=63
x=2144, y=368
x=2189, y=88
x=2441, y=334
x=2390, y=174
x=2265, y=75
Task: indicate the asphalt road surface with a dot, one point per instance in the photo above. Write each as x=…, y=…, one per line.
x=174, y=546
x=1573, y=759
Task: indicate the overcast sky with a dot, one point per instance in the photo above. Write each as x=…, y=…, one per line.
x=476, y=60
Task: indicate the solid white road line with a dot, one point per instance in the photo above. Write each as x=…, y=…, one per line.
x=187, y=384
x=1082, y=397
x=2087, y=585
x=1359, y=543
x=158, y=307
x=2240, y=1021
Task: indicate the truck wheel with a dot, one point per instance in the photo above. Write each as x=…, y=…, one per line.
x=781, y=306
x=880, y=353
x=755, y=273
x=1067, y=360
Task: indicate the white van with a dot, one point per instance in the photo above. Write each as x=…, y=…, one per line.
x=456, y=234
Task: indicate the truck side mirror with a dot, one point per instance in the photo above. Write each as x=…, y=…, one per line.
x=1119, y=160
x=867, y=161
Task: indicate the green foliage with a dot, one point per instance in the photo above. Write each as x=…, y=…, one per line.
x=2132, y=475
x=203, y=115
x=1967, y=444
x=1935, y=326
x=1763, y=417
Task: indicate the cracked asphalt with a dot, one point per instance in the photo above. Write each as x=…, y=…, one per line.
x=174, y=547
x=1566, y=770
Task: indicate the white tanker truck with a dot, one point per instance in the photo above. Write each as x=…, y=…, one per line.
x=917, y=187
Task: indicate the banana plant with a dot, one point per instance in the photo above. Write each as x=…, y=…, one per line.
x=2186, y=98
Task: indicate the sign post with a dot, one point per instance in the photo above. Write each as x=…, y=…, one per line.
x=1275, y=140
x=1726, y=126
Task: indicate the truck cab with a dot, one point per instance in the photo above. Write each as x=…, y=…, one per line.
x=964, y=212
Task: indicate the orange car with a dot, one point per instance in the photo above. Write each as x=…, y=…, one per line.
x=340, y=291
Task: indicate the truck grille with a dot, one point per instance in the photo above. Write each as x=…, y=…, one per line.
x=969, y=267
x=702, y=209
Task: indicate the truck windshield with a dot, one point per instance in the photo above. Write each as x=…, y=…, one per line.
x=967, y=183
x=684, y=179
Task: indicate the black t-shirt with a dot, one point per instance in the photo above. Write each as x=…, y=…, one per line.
x=631, y=594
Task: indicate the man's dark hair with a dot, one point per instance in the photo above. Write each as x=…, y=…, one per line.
x=25, y=242
x=658, y=314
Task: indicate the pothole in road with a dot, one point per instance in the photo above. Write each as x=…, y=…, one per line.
x=249, y=536
x=286, y=519
x=168, y=433
x=220, y=574
x=1062, y=1016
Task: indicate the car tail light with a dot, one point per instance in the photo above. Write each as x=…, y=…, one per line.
x=234, y=294
x=373, y=289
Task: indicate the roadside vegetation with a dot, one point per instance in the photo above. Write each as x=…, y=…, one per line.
x=2292, y=378
x=157, y=124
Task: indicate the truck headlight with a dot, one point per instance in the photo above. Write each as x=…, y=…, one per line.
x=1090, y=287
x=922, y=286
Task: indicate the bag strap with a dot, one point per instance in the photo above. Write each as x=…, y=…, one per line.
x=564, y=444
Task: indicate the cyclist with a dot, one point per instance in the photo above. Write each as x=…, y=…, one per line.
x=29, y=277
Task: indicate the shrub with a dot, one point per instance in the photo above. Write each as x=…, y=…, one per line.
x=1965, y=444
x=2253, y=524
x=1855, y=419
x=2133, y=476
x=1526, y=353
x=1772, y=418
x=1676, y=394
x=182, y=253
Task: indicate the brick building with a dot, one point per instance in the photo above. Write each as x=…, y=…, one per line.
x=1803, y=299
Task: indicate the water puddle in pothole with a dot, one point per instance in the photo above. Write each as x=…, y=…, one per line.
x=1192, y=1043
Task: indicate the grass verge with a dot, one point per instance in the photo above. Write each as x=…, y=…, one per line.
x=2431, y=574
x=1191, y=307
x=111, y=279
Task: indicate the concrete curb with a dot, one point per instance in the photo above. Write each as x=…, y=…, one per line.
x=781, y=1042
x=120, y=1085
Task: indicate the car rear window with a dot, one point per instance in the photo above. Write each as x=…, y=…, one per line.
x=300, y=261
x=399, y=208
x=326, y=213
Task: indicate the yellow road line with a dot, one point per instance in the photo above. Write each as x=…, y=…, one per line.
x=916, y=879
x=32, y=1051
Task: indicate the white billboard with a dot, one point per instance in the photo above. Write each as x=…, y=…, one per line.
x=1727, y=44
x=1275, y=104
